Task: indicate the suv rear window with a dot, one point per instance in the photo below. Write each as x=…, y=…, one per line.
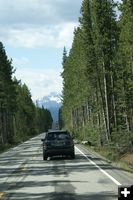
x=58, y=136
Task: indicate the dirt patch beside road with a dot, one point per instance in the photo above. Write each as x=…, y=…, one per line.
x=128, y=158
x=124, y=161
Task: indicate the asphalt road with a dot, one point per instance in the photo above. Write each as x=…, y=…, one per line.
x=25, y=176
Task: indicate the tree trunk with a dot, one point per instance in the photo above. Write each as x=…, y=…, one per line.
x=106, y=104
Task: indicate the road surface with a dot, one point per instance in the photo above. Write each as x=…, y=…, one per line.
x=25, y=176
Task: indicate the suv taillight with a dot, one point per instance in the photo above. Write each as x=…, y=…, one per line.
x=47, y=143
x=70, y=142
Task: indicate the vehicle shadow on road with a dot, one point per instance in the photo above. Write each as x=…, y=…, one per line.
x=63, y=196
x=34, y=180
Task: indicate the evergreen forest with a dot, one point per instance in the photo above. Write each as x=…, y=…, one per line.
x=20, y=118
x=98, y=75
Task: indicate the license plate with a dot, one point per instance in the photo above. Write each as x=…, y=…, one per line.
x=58, y=144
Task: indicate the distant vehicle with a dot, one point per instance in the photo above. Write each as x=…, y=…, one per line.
x=58, y=143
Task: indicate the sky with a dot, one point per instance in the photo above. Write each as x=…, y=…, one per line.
x=34, y=33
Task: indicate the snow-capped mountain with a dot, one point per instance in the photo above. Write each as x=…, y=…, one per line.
x=53, y=103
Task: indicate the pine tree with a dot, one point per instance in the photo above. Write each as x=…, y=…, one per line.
x=124, y=72
x=105, y=37
x=7, y=97
x=43, y=119
x=60, y=119
x=98, y=74
x=25, y=113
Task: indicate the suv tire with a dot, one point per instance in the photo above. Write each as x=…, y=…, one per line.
x=73, y=155
x=45, y=156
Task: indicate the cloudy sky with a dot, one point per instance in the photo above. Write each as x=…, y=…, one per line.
x=34, y=33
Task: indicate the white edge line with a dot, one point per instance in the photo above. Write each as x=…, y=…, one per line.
x=103, y=171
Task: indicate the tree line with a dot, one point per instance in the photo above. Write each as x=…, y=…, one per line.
x=20, y=118
x=98, y=74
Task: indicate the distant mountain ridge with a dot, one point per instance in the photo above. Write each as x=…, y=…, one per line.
x=53, y=103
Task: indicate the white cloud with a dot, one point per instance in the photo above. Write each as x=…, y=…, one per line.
x=21, y=61
x=56, y=36
x=38, y=11
x=41, y=82
x=65, y=35
x=38, y=23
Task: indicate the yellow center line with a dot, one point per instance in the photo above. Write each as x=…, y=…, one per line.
x=33, y=158
x=1, y=194
x=24, y=168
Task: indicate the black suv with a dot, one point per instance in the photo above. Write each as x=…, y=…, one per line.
x=58, y=143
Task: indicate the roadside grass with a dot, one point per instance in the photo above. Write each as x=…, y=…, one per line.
x=4, y=148
x=16, y=141
x=122, y=161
